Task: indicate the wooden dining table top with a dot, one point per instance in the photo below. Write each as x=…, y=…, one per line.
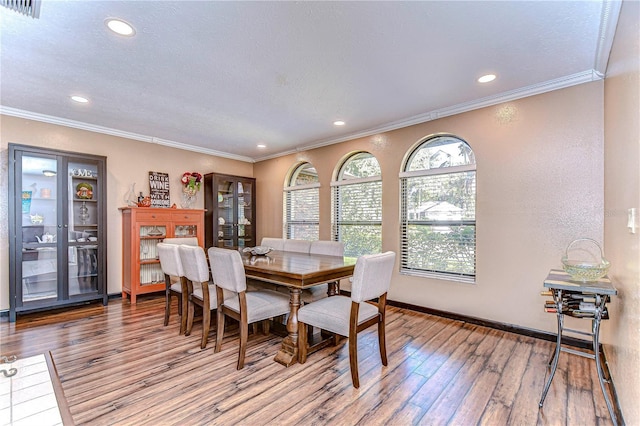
x=300, y=270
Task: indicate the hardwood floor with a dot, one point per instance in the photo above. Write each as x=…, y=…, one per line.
x=119, y=365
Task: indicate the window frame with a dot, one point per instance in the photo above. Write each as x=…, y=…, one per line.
x=339, y=183
x=405, y=222
x=290, y=188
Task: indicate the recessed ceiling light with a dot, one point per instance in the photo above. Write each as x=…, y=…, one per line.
x=49, y=173
x=338, y=123
x=119, y=26
x=261, y=145
x=80, y=99
x=487, y=78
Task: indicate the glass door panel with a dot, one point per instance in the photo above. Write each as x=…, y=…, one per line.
x=39, y=227
x=82, y=187
x=245, y=219
x=184, y=231
x=226, y=216
x=150, y=270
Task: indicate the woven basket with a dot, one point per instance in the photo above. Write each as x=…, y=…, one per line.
x=585, y=270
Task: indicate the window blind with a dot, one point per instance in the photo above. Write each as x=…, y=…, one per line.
x=438, y=225
x=357, y=216
x=301, y=213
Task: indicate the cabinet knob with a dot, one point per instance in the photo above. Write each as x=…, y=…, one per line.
x=153, y=216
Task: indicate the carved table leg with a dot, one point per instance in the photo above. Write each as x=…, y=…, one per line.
x=332, y=289
x=288, y=353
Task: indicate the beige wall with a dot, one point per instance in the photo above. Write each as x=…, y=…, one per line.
x=127, y=161
x=539, y=186
x=622, y=192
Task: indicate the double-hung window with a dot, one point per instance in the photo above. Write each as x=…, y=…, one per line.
x=438, y=210
x=357, y=205
x=301, y=204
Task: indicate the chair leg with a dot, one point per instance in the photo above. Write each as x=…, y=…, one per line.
x=265, y=326
x=254, y=327
x=180, y=304
x=381, y=342
x=220, y=330
x=167, y=307
x=206, y=323
x=302, y=343
x=353, y=359
x=244, y=332
x=183, y=303
x=190, y=316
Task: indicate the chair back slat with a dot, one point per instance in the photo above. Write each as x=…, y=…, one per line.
x=194, y=263
x=170, y=262
x=372, y=276
x=227, y=269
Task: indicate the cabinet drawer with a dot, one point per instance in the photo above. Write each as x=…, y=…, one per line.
x=154, y=217
x=186, y=217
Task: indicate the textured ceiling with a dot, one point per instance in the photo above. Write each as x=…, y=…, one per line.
x=221, y=77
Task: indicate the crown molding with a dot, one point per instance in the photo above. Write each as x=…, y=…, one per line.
x=535, y=89
x=608, y=24
x=14, y=112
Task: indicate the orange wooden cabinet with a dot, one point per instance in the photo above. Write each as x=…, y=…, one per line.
x=142, y=229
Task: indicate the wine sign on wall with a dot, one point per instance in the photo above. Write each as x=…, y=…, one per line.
x=159, y=189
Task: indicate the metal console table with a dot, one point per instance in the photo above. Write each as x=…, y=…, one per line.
x=567, y=296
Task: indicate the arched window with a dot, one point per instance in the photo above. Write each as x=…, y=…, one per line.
x=357, y=205
x=438, y=209
x=301, y=203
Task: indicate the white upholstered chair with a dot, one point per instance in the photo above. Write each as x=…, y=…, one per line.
x=246, y=307
x=348, y=316
x=298, y=246
x=330, y=248
x=171, y=265
x=274, y=243
x=202, y=292
x=188, y=241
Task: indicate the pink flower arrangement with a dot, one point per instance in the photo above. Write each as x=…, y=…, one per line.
x=191, y=181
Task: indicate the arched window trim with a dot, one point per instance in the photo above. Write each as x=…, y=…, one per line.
x=290, y=189
x=405, y=222
x=342, y=184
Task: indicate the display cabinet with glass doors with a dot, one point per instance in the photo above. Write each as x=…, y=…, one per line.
x=57, y=238
x=230, y=204
x=142, y=229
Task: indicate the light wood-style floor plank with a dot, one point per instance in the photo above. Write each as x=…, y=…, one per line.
x=120, y=366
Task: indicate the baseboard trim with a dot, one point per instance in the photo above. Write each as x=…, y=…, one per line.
x=538, y=334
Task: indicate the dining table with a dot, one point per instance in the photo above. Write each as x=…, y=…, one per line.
x=297, y=271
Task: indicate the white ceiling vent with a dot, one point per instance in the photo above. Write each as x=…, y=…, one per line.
x=26, y=7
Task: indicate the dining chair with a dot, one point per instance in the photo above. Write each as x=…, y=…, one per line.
x=274, y=243
x=246, y=307
x=329, y=248
x=298, y=246
x=201, y=290
x=171, y=265
x=347, y=316
x=188, y=241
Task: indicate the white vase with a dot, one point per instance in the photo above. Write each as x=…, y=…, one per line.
x=189, y=197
